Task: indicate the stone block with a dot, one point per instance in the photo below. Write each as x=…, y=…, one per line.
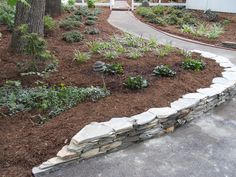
x=143, y=118
x=110, y=146
x=184, y=103
x=92, y=132
x=65, y=154
x=119, y=124
x=90, y=153
x=163, y=112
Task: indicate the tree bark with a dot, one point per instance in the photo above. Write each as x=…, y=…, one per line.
x=32, y=16
x=53, y=8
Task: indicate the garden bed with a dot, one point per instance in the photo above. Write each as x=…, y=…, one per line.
x=25, y=143
x=226, y=20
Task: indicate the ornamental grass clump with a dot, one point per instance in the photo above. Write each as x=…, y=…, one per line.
x=164, y=71
x=195, y=65
x=135, y=83
x=81, y=57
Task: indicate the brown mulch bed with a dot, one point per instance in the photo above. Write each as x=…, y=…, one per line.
x=24, y=144
x=228, y=35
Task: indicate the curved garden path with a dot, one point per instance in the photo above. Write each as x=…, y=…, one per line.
x=207, y=147
x=126, y=21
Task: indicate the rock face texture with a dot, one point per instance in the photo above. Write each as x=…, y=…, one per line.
x=119, y=133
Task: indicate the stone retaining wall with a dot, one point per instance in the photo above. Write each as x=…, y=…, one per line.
x=119, y=133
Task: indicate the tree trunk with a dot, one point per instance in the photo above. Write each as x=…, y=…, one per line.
x=53, y=8
x=32, y=16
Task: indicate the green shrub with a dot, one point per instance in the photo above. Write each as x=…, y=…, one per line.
x=92, y=17
x=71, y=2
x=225, y=22
x=80, y=57
x=33, y=44
x=158, y=20
x=114, y=69
x=69, y=8
x=191, y=64
x=172, y=19
x=50, y=101
x=164, y=71
x=135, y=83
x=69, y=24
x=90, y=22
x=49, y=23
x=145, y=12
x=7, y=15
x=92, y=31
x=91, y=3
x=83, y=11
x=75, y=18
x=73, y=36
x=158, y=10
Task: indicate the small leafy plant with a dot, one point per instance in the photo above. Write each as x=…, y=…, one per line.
x=49, y=23
x=164, y=71
x=195, y=65
x=91, y=3
x=73, y=36
x=137, y=82
x=81, y=57
x=114, y=69
x=69, y=24
x=92, y=31
x=90, y=22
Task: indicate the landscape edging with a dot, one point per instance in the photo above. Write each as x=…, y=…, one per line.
x=118, y=133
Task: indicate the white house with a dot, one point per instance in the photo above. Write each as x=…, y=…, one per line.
x=214, y=5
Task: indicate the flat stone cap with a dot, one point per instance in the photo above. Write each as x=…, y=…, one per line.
x=92, y=132
x=119, y=124
x=143, y=118
x=163, y=113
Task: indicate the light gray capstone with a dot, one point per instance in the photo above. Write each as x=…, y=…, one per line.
x=229, y=75
x=119, y=124
x=227, y=64
x=223, y=81
x=232, y=69
x=220, y=86
x=143, y=118
x=220, y=59
x=184, y=103
x=92, y=132
x=210, y=91
x=163, y=112
x=199, y=96
x=196, y=51
x=208, y=55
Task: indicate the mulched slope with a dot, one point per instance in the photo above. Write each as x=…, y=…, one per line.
x=24, y=144
x=228, y=35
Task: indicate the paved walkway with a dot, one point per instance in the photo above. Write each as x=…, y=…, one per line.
x=121, y=5
x=127, y=22
x=204, y=148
